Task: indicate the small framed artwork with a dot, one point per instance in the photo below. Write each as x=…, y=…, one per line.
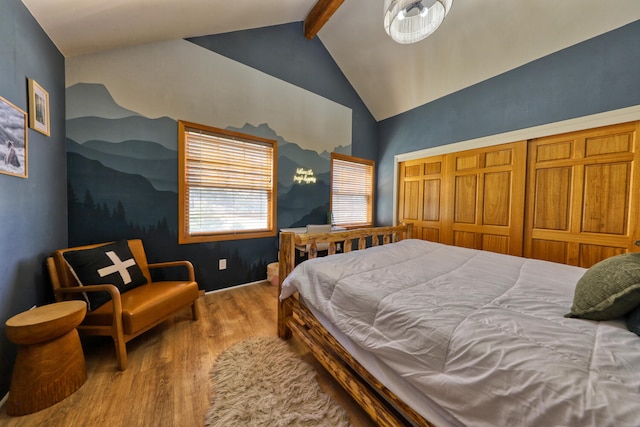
x=38, y=108
x=13, y=139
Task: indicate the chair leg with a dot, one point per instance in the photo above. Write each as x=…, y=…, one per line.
x=121, y=353
x=194, y=310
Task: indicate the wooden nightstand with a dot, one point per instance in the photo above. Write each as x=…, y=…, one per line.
x=50, y=363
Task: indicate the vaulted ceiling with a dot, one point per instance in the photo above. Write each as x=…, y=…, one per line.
x=478, y=39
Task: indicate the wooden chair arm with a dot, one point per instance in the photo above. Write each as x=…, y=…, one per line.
x=114, y=292
x=186, y=264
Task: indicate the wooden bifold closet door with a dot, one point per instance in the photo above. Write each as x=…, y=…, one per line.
x=472, y=198
x=570, y=198
x=420, y=197
x=583, y=195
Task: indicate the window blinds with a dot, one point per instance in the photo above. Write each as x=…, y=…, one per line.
x=351, y=191
x=229, y=184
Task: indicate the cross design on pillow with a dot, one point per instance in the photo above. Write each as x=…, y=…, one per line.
x=118, y=266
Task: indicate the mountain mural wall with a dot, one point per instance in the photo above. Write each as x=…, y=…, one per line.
x=123, y=183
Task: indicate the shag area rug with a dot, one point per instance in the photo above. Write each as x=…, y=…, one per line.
x=262, y=382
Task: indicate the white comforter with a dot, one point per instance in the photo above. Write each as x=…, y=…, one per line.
x=482, y=334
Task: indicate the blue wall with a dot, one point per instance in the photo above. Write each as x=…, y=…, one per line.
x=33, y=211
x=598, y=75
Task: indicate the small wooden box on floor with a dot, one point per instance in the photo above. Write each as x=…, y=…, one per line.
x=50, y=363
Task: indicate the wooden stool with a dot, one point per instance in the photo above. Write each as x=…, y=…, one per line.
x=50, y=362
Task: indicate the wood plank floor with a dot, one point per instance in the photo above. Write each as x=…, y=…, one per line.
x=167, y=382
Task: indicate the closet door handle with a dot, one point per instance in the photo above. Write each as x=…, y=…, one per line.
x=637, y=242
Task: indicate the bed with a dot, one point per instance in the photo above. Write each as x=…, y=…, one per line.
x=428, y=334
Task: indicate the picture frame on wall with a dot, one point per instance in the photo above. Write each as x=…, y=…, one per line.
x=13, y=139
x=38, y=108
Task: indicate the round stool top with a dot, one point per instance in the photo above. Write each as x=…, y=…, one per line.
x=46, y=322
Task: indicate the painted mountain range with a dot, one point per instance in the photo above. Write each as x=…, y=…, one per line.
x=118, y=155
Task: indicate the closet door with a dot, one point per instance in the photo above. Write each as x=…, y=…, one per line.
x=486, y=188
x=472, y=198
x=420, y=196
x=583, y=195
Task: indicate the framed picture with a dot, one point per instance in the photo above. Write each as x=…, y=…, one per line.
x=38, y=108
x=13, y=139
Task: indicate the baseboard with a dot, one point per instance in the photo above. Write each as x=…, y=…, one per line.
x=236, y=286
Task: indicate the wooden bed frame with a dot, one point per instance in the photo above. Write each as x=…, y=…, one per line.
x=382, y=405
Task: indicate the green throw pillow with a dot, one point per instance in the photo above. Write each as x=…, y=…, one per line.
x=609, y=289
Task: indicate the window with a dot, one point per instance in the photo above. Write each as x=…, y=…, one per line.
x=351, y=191
x=228, y=184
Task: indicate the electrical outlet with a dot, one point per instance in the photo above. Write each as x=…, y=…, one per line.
x=222, y=264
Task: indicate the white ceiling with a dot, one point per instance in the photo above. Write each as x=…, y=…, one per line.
x=479, y=39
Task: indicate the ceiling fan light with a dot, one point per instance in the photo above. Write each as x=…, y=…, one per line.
x=409, y=21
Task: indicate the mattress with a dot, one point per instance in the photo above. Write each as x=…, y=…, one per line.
x=480, y=335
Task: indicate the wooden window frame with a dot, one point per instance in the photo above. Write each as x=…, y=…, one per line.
x=184, y=234
x=342, y=158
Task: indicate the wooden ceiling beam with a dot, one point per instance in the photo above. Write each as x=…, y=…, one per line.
x=319, y=15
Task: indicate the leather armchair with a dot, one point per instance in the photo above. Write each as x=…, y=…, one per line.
x=128, y=314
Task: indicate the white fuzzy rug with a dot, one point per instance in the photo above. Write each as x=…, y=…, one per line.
x=262, y=382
